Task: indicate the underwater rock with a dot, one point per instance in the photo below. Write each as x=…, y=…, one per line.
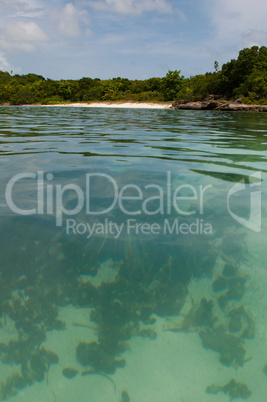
x=145, y=314
x=93, y=354
x=125, y=396
x=234, y=246
x=34, y=363
x=203, y=315
x=233, y=389
x=69, y=372
x=229, y=270
x=249, y=331
x=235, y=286
x=3, y=348
x=148, y=333
x=240, y=318
x=51, y=357
x=167, y=295
x=20, y=351
x=220, y=284
x=7, y=388
x=54, y=323
x=12, y=384
x=40, y=361
x=117, y=322
x=200, y=315
x=235, y=290
x=235, y=322
x=114, y=314
x=38, y=367
x=19, y=382
x=230, y=347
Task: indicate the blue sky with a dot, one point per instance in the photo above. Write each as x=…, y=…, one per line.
x=135, y=39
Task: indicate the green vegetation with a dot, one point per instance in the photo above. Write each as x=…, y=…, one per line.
x=244, y=77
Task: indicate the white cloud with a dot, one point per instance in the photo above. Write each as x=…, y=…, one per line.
x=237, y=17
x=22, y=8
x=7, y=45
x=70, y=20
x=4, y=65
x=25, y=31
x=237, y=24
x=254, y=37
x=132, y=6
x=20, y=22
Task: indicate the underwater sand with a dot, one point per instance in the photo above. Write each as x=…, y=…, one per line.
x=173, y=367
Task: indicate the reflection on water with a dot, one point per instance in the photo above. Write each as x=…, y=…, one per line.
x=151, y=258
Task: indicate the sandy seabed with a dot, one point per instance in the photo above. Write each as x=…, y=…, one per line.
x=174, y=367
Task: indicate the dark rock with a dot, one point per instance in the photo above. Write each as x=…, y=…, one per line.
x=215, y=105
x=69, y=372
x=125, y=397
x=38, y=367
x=229, y=270
x=19, y=382
x=94, y=355
x=236, y=288
x=235, y=323
x=51, y=357
x=148, y=333
x=230, y=347
x=220, y=284
x=234, y=389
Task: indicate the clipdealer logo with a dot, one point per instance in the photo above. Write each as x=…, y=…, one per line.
x=167, y=200
x=254, y=221
x=131, y=200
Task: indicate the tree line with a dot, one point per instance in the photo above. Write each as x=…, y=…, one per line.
x=244, y=77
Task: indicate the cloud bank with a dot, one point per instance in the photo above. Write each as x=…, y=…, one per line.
x=21, y=31
x=130, y=38
x=70, y=20
x=239, y=21
x=135, y=7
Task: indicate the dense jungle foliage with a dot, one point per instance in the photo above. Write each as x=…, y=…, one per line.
x=246, y=76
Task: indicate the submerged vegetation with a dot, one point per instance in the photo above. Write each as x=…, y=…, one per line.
x=234, y=389
x=148, y=284
x=244, y=77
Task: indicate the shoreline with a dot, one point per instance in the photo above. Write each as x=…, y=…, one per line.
x=122, y=105
x=194, y=105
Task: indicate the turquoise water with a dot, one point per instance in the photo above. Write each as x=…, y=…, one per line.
x=132, y=255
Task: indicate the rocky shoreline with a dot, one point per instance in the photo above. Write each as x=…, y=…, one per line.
x=215, y=105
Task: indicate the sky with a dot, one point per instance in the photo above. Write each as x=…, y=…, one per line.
x=135, y=39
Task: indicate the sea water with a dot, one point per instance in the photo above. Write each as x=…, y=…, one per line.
x=133, y=255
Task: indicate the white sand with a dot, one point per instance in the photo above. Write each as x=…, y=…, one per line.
x=125, y=105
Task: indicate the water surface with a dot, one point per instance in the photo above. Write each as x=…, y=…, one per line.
x=132, y=248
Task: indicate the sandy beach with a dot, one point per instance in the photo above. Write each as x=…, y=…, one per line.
x=123, y=105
